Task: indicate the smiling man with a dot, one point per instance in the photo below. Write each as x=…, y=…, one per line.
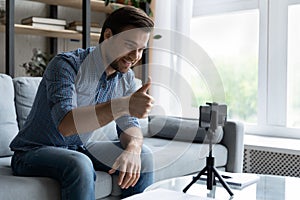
x=69, y=105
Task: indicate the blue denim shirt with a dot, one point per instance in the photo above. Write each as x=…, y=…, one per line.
x=55, y=98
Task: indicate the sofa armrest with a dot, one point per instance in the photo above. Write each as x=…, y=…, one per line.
x=233, y=139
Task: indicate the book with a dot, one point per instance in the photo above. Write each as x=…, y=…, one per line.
x=47, y=26
x=165, y=194
x=80, y=28
x=44, y=20
x=235, y=180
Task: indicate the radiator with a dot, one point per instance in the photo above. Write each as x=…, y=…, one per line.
x=270, y=162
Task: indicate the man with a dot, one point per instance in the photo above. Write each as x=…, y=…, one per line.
x=69, y=103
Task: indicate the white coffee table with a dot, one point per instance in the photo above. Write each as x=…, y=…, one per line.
x=268, y=187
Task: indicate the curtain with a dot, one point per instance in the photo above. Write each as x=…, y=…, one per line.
x=172, y=21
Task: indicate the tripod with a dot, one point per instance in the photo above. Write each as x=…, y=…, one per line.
x=209, y=169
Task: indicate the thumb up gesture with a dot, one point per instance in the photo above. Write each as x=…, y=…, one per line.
x=140, y=102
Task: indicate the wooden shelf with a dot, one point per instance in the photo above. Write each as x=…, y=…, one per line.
x=69, y=34
x=96, y=5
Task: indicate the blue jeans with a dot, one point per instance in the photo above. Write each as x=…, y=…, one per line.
x=75, y=169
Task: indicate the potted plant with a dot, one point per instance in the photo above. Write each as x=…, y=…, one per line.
x=2, y=12
x=38, y=63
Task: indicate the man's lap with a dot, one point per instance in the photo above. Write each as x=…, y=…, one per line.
x=47, y=161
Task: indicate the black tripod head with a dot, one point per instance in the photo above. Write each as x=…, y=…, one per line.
x=212, y=115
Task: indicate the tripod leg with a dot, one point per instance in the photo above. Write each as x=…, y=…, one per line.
x=195, y=178
x=210, y=161
x=225, y=185
x=210, y=178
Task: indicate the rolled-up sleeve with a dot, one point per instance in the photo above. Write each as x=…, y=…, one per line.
x=126, y=122
x=60, y=78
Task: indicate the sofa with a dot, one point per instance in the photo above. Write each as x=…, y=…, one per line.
x=179, y=146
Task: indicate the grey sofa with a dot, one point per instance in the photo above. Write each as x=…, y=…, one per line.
x=178, y=146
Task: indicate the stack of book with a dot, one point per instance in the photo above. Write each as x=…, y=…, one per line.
x=45, y=23
x=77, y=26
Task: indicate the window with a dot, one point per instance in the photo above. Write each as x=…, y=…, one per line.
x=293, y=107
x=255, y=46
x=231, y=41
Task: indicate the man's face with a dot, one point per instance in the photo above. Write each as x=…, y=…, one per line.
x=127, y=47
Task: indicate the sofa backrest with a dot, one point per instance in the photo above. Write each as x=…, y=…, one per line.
x=8, y=118
x=181, y=129
x=25, y=91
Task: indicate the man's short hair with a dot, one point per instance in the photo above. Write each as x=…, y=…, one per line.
x=125, y=17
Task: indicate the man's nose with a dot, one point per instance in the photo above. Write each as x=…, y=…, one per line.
x=134, y=54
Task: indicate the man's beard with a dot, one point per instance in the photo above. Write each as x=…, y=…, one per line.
x=115, y=65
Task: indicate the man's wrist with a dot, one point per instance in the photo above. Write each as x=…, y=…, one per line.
x=120, y=107
x=134, y=147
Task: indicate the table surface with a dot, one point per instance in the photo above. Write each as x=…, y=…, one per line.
x=268, y=187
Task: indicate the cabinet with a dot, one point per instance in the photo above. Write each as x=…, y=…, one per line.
x=86, y=5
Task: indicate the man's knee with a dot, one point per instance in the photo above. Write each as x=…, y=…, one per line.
x=80, y=165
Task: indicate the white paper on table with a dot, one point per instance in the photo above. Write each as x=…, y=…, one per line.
x=165, y=194
x=235, y=180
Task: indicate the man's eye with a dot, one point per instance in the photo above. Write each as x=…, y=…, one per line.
x=129, y=46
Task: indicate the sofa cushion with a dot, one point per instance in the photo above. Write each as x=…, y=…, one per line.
x=28, y=188
x=25, y=91
x=105, y=133
x=176, y=158
x=8, y=118
x=181, y=129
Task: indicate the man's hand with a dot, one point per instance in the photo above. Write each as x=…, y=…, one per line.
x=129, y=166
x=140, y=102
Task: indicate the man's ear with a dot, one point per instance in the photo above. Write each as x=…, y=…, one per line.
x=107, y=33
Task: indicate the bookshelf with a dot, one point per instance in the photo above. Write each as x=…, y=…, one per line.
x=86, y=6
x=95, y=5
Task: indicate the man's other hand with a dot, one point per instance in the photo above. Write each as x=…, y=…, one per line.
x=129, y=166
